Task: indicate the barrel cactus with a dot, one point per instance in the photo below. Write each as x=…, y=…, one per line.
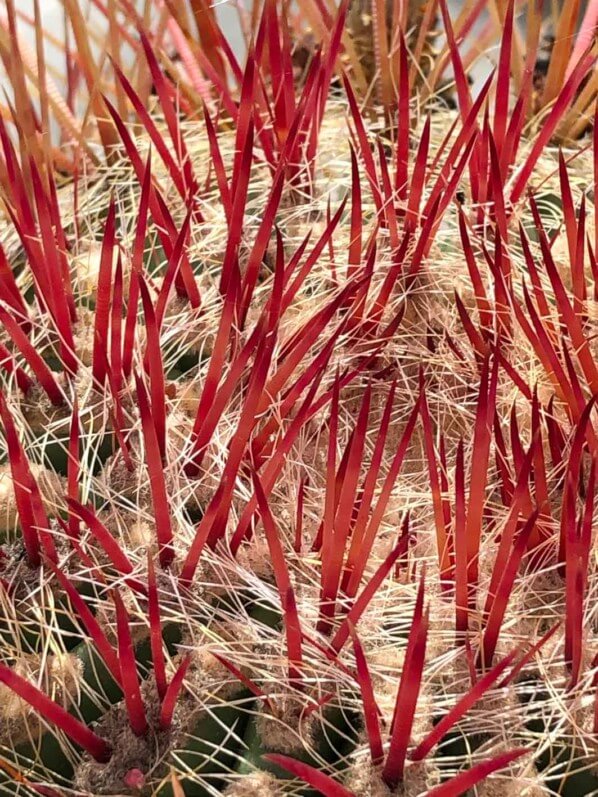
x=298, y=370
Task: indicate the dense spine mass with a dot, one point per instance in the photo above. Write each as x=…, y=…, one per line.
x=298, y=369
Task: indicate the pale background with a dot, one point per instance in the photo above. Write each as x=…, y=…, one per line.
x=53, y=20
x=52, y=14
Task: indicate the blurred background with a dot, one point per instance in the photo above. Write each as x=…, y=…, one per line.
x=477, y=25
x=53, y=18
x=52, y=12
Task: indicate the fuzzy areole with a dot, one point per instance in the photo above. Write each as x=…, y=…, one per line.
x=281, y=728
x=366, y=781
x=258, y=784
x=61, y=678
x=86, y=270
x=50, y=486
x=47, y=420
x=129, y=751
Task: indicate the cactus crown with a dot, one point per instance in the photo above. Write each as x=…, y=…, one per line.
x=298, y=373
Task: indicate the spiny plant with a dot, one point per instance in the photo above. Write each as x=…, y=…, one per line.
x=298, y=373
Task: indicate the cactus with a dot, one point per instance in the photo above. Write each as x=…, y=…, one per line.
x=298, y=373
